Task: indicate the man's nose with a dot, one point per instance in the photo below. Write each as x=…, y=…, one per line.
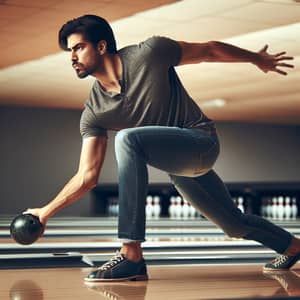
x=74, y=57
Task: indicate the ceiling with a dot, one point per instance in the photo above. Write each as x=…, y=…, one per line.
x=34, y=72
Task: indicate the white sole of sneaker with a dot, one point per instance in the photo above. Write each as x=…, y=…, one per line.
x=130, y=278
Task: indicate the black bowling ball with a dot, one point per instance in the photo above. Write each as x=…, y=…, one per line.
x=26, y=229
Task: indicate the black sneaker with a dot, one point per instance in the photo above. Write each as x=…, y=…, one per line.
x=119, y=268
x=281, y=263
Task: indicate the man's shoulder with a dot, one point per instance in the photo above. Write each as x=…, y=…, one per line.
x=147, y=48
x=144, y=44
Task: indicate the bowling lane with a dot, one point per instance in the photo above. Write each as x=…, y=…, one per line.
x=87, y=241
x=166, y=282
x=71, y=254
x=194, y=261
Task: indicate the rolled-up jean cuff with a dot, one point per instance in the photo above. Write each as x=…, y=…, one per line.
x=128, y=241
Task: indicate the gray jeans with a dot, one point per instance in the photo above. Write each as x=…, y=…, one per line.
x=188, y=156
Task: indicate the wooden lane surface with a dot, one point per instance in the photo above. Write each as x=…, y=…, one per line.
x=166, y=282
x=91, y=239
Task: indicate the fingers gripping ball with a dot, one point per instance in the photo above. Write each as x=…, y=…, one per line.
x=26, y=229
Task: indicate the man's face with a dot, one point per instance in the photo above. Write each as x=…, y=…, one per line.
x=85, y=58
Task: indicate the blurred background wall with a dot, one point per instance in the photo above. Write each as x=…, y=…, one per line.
x=40, y=151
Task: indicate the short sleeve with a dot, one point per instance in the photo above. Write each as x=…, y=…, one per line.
x=166, y=50
x=88, y=127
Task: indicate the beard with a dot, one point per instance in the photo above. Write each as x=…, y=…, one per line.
x=83, y=71
x=82, y=74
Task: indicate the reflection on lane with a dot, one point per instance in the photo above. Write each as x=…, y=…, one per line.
x=120, y=290
x=289, y=280
x=26, y=290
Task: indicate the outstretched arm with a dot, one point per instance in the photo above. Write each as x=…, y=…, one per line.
x=215, y=51
x=91, y=160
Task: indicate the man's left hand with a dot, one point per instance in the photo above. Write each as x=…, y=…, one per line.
x=268, y=62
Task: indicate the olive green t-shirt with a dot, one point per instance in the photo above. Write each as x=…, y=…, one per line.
x=151, y=93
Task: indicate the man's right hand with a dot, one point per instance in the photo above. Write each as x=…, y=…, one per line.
x=40, y=213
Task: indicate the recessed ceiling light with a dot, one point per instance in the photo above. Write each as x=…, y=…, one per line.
x=214, y=103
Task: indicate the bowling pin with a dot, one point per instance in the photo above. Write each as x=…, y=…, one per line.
x=193, y=211
x=178, y=211
x=172, y=207
x=280, y=208
x=287, y=208
x=185, y=209
x=294, y=208
x=274, y=208
x=269, y=209
x=156, y=207
x=149, y=207
x=240, y=205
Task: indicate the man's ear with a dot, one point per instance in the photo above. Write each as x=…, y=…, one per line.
x=102, y=46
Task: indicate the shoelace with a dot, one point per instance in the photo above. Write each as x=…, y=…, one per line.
x=281, y=259
x=112, y=262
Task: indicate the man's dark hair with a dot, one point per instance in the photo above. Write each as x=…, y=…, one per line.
x=93, y=28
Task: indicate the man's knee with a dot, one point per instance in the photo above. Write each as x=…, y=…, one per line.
x=237, y=233
x=238, y=228
x=124, y=137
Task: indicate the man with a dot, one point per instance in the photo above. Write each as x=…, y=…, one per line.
x=138, y=93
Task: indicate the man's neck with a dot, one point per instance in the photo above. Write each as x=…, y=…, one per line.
x=111, y=73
